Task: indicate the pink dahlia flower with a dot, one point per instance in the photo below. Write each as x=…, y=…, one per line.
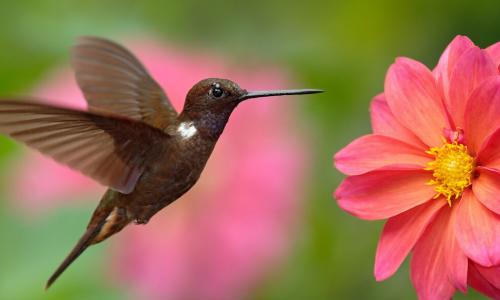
x=222, y=236
x=432, y=168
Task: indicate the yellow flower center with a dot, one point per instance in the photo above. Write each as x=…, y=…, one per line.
x=452, y=169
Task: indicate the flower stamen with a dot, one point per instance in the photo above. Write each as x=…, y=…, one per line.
x=452, y=169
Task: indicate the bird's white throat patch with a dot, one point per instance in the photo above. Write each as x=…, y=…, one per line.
x=186, y=129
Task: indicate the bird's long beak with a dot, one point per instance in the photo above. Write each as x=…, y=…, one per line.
x=260, y=94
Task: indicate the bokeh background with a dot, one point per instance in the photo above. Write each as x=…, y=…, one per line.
x=344, y=47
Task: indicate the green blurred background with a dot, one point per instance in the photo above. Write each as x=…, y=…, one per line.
x=344, y=47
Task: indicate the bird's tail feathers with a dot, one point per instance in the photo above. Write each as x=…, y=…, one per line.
x=104, y=223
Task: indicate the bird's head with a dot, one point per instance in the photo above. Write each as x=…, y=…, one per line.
x=219, y=95
x=211, y=101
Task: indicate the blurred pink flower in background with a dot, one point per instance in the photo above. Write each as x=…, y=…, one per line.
x=432, y=169
x=223, y=235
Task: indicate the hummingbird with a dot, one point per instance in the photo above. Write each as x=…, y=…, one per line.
x=130, y=139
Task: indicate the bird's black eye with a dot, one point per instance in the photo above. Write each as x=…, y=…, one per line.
x=217, y=91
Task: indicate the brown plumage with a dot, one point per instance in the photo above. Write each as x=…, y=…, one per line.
x=131, y=139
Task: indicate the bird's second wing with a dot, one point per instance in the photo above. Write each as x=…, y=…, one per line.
x=112, y=150
x=113, y=79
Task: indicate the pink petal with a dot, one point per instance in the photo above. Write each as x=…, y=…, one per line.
x=384, y=123
x=371, y=152
x=477, y=281
x=446, y=64
x=473, y=67
x=489, y=153
x=478, y=231
x=412, y=95
x=486, y=188
x=385, y=192
x=455, y=258
x=429, y=271
x=492, y=274
x=482, y=113
x=494, y=52
x=400, y=235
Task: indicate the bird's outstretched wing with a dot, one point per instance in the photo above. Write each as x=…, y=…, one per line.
x=113, y=79
x=112, y=150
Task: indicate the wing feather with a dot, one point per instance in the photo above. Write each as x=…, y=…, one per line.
x=112, y=79
x=112, y=150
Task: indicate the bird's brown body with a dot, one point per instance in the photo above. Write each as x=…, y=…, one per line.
x=179, y=162
x=175, y=169
x=168, y=176
x=130, y=139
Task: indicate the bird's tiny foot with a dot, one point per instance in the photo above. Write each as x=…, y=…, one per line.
x=141, y=221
